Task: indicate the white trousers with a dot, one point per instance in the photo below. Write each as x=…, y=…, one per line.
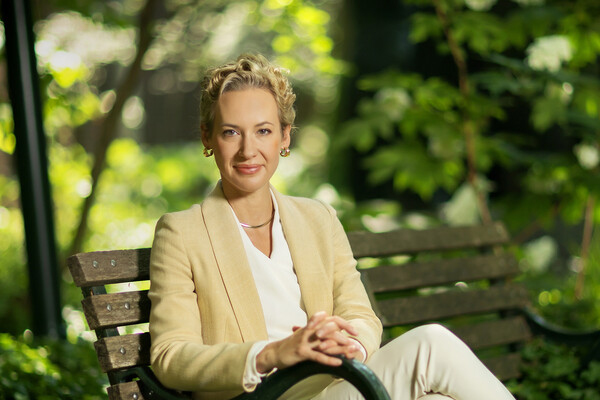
x=429, y=363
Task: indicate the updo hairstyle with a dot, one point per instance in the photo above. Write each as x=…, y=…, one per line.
x=249, y=71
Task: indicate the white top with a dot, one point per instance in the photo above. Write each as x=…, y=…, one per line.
x=276, y=282
x=278, y=290
x=279, y=293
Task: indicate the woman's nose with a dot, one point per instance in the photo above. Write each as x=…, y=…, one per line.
x=247, y=146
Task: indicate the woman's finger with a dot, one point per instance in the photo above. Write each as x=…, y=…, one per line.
x=335, y=323
x=316, y=319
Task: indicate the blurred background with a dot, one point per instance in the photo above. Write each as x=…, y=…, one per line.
x=411, y=114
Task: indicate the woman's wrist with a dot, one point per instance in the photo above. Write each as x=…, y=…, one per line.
x=265, y=359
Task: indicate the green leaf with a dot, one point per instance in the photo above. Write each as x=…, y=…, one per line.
x=546, y=112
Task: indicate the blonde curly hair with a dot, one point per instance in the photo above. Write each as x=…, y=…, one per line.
x=247, y=72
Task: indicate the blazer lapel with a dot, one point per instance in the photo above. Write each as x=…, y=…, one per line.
x=233, y=265
x=305, y=255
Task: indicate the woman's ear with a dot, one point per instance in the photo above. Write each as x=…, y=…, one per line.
x=287, y=136
x=205, y=135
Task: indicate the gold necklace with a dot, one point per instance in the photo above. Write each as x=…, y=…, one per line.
x=256, y=226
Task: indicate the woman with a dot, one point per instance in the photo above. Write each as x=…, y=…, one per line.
x=251, y=281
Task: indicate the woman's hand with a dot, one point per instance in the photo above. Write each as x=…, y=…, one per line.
x=319, y=340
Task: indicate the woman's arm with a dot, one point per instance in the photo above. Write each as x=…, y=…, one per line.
x=179, y=357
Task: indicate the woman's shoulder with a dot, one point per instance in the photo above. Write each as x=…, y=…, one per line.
x=182, y=217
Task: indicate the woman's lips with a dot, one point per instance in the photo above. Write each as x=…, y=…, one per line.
x=247, y=169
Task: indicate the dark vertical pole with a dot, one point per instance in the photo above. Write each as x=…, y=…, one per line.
x=32, y=165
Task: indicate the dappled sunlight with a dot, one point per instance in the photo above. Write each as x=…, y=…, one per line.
x=67, y=68
x=480, y=5
x=539, y=254
x=312, y=142
x=133, y=113
x=228, y=31
x=77, y=327
x=588, y=155
x=73, y=35
x=381, y=223
x=549, y=52
x=7, y=137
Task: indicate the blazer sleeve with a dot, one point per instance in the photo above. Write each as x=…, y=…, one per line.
x=350, y=299
x=179, y=357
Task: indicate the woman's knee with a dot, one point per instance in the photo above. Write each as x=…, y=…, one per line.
x=433, y=331
x=436, y=334
x=431, y=336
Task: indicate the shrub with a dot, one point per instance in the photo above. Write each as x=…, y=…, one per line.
x=49, y=370
x=554, y=371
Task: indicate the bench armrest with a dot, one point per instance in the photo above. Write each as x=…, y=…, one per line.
x=273, y=386
x=356, y=373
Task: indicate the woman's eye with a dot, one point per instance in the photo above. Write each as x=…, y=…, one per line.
x=264, y=131
x=229, y=132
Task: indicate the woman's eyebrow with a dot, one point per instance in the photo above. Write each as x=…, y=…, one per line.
x=227, y=124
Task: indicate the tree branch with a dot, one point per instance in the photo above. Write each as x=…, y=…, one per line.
x=109, y=124
x=468, y=125
x=588, y=225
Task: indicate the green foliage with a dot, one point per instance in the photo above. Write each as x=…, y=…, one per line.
x=553, y=371
x=553, y=293
x=49, y=370
x=424, y=121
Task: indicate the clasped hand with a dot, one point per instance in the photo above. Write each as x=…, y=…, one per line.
x=323, y=336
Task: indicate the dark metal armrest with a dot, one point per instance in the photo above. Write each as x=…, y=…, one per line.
x=356, y=373
x=273, y=386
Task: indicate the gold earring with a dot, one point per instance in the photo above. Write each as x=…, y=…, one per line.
x=284, y=152
x=207, y=152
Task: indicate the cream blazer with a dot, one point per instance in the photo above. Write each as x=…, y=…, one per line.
x=206, y=312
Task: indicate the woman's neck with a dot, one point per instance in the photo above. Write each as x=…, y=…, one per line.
x=253, y=208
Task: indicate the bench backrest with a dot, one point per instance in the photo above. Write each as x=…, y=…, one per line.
x=455, y=276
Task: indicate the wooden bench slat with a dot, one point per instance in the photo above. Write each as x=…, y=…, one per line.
x=410, y=310
x=116, y=309
x=116, y=352
x=405, y=241
x=105, y=267
x=439, y=272
x=125, y=391
x=494, y=333
x=504, y=367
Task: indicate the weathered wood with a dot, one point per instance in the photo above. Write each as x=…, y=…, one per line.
x=506, y=366
x=125, y=351
x=440, y=272
x=408, y=241
x=494, y=333
x=105, y=267
x=116, y=309
x=410, y=310
x=125, y=391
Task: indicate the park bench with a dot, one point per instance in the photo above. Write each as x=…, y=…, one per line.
x=460, y=277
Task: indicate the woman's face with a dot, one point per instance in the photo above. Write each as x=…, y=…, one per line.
x=246, y=139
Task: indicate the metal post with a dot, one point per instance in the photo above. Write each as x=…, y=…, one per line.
x=32, y=166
